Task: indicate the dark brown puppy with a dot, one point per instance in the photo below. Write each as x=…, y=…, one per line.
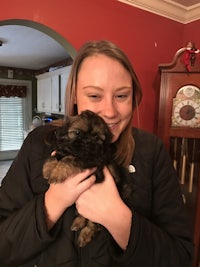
x=84, y=141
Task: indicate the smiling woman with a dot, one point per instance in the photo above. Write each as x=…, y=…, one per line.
x=151, y=218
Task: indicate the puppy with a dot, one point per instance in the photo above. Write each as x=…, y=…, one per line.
x=84, y=141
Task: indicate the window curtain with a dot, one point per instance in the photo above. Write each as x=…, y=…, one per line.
x=13, y=90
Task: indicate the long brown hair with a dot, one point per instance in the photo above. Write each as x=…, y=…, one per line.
x=125, y=143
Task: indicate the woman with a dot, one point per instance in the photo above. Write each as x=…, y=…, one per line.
x=36, y=217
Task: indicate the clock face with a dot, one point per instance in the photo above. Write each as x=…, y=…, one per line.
x=186, y=113
x=189, y=90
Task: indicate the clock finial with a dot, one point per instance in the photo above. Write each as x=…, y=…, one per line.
x=189, y=56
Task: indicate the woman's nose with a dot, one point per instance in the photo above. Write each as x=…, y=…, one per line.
x=109, y=109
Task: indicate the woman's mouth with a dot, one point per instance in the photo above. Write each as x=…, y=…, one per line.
x=112, y=126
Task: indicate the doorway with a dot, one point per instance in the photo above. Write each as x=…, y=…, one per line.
x=27, y=46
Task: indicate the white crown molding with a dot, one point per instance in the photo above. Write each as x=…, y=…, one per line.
x=168, y=9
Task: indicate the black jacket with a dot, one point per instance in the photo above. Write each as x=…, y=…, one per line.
x=159, y=234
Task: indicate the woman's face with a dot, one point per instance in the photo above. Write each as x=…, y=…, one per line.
x=104, y=86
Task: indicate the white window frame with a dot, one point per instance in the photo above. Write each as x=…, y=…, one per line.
x=11, y=154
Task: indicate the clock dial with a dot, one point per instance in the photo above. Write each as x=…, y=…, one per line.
x=186, y=113
x=189, y=90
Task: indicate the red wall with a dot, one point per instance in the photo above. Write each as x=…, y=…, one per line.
x=191, y=32
x=148, y=39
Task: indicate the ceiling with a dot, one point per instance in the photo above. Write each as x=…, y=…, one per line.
x=183, y=11
x=28, y=48
x=187, y=3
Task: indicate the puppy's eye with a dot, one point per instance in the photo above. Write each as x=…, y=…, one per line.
x=77, y=131
x=74, y=132
x=103, y=137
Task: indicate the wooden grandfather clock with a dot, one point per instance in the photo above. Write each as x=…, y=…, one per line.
x=179, y=127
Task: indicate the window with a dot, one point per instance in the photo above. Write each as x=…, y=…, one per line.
x=11, y=123
x=15, y=117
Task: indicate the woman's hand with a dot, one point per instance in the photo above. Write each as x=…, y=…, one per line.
x=101, y=203
x=97, y=202
x=60, y=196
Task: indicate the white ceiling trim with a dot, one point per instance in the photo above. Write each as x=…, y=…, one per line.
x=168, y=9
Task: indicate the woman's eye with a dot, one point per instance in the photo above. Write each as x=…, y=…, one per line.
x=122, y=96
x=94, y=97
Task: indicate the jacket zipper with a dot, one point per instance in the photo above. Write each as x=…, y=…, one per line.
x=79, y=250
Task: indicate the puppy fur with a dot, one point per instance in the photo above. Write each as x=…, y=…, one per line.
x=84, y=141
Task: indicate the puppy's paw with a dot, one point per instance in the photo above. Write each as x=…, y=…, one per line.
x=48, y=167
x=78, y=223
x=85, y=236
x=87, y=233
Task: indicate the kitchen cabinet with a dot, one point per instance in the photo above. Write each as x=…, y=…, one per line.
x=55, y=94
x=63, y=83
x=44, y=95
x=51, y=88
